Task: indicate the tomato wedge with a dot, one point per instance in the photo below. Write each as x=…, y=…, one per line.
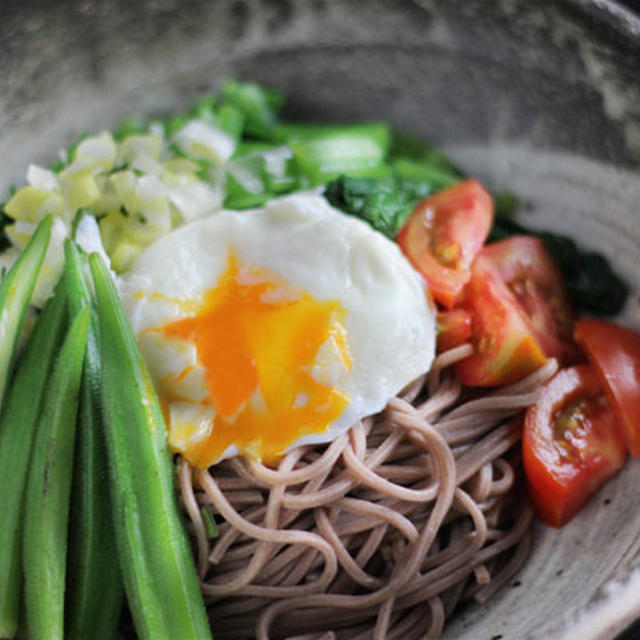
x=454, y=329
x=571, y=444
x=506, y=348
x=444, y=234
x=615, y=353
x=529, y=271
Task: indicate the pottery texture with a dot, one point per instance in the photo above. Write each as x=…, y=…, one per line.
x=542, y=98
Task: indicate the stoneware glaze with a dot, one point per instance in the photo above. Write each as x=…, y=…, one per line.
x=542, y=98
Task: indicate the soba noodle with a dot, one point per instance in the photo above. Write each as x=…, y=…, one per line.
x=379, y=534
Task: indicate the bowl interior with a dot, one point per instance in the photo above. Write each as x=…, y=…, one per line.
x=527, y=98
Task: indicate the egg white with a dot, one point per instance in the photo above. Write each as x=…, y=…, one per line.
x=389, y=323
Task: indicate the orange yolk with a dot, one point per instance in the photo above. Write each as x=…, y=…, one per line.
x=257, y=339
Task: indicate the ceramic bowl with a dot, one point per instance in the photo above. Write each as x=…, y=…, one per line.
x=542, y=98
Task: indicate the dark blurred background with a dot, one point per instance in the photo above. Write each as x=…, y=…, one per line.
x=632, y=4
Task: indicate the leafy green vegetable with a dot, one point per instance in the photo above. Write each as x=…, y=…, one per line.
x=71, y=151
x=506, y=204
x=325, y=158
x=204, y=109
x=383, y=203
x=68, y=155
x=406, y=146
x=411, y=171
x=173, y=125
x=257, y=172
x=259, y=106
x=369, y=171
x=386, y=203
x=422, y=172
x=176, y=152
x=324, y=152
x=246, y=183
x=227, y=117
x=231, y=120
x=133, y=125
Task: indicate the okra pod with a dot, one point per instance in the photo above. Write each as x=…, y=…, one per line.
x=95, y=592
x=49, y=487
x=17, y=430
x=155, y=558
x=15, y=293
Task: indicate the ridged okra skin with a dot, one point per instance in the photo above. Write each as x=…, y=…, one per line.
x=157, y=565
x=15, y=293
x=95, y=591
x=18, y=425
x=49, y=489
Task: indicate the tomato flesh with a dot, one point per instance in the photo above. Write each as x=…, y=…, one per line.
x=454, y=329
x=444, y=234
x=505, y=346
x=531, y=274
x=571, y=444
x=615, y=353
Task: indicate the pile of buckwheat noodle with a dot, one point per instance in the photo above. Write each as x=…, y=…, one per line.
x=379, y=534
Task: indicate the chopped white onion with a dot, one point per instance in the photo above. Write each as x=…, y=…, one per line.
x=201, y=140
x=190, y=423
x=147, y=145
x=88, y=237
x=195, y=199
x=100, y=149
x=53, y=264
x=41, y=178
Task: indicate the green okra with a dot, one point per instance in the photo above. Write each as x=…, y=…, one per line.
x=155, y=557
x=15, y=293
x=95, y=591
x=17, y=430
x=49, y=488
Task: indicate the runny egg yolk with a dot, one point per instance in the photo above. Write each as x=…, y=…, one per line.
x=270, y=354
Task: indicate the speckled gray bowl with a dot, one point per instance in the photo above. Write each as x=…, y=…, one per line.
x=539, y=96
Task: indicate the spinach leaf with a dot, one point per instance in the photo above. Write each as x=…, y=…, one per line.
x=385, y=203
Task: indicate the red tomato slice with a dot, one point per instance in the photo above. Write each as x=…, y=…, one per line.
x=615, y=353
x=535, y=280
x=444, y=234
x=506, y=348
x=571, y=444
x=454, y=329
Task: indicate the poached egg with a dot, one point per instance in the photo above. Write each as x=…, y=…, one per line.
x=271, y=328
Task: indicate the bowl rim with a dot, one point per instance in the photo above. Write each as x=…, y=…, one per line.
x=617, y=606
x=614, y=15
x=614, y=611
